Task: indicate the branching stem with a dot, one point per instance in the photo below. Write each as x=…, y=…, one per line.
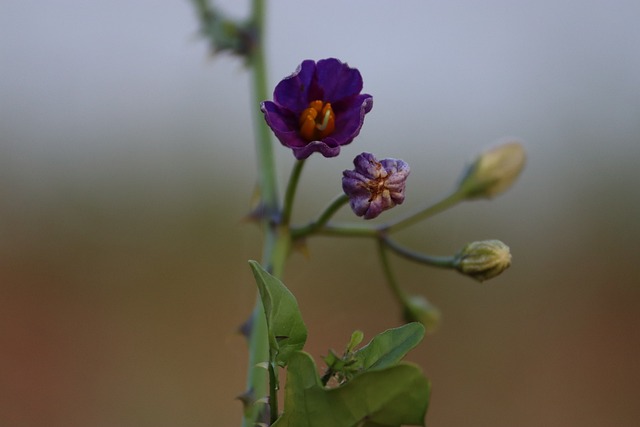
x=449, y=201
x=323, y=218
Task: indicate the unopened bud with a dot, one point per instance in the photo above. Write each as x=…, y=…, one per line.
x=418, y=309
x=483, y=260
x=493, y=172
x=374, y=186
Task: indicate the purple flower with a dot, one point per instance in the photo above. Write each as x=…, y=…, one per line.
x=318, y=108
x=374, y=186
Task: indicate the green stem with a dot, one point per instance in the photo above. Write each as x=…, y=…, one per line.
x=202, y=8
x=258, y=356
x=400, y=295
x=351, y=230
x=446, y=203
x=277, y=239
x=290, y=194
x=323, y=218
x=327, y=376
x=262, y=382
x=321, y=225
x=273, y=396
x=264, y=147
x=434, y=261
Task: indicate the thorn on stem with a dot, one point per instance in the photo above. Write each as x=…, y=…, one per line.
x=246, y=328
x=247, y=398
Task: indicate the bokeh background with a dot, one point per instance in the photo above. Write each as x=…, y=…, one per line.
x=127, y=165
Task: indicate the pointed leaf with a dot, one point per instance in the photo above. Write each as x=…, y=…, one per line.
x=388, y=348
x=287, y=332
x=390, y=397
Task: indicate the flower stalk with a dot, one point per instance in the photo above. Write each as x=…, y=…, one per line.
x=398, y=293
x=444, y=204
x=323, y=218
x=290, y=193
x=430, y=260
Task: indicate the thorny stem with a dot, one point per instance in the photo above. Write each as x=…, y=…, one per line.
x=273, y=396
x=277, y=240
x=264, y=146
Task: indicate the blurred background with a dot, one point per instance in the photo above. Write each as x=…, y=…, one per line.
x=127, y=165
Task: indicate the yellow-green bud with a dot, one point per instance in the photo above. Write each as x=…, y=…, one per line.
x=418, y=309
x=483, y=260
x=493, y=171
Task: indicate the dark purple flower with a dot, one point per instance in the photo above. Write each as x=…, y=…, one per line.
x=318, y=108
x=374, y=186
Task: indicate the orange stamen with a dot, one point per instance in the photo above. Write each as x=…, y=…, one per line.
x=317, y=121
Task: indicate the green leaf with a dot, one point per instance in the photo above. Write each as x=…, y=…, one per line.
x=388, y=348
x=287, y=332
x=389, y=397
x=356, y=339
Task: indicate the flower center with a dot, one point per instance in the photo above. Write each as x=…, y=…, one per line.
x=378, y=185
x=317, y=121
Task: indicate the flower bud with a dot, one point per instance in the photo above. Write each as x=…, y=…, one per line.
x=374, y=186
x=493, y=171
x=483, y=260
x=418, y=309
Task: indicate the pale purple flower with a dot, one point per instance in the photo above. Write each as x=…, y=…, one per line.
x=374, y=186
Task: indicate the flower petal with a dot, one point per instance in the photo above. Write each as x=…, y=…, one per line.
x=337, y=80
x=283, y=124
x=315, y=146
x=293, y=92
x=349, y=120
